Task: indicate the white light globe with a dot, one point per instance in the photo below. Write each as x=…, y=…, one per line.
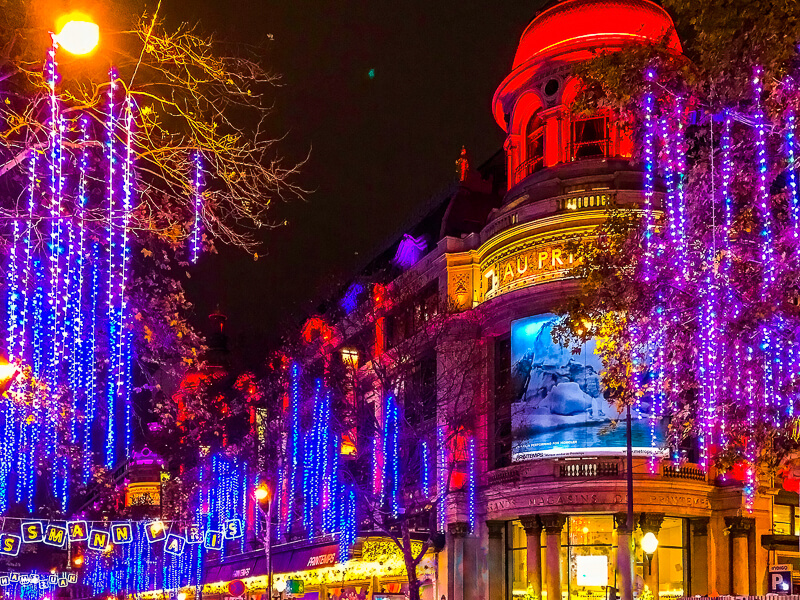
x=649, y=542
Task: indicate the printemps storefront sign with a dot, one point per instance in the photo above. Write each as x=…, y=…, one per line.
x=523, y=264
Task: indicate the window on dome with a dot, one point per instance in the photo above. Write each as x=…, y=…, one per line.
x=534, y=149
x=589, y=138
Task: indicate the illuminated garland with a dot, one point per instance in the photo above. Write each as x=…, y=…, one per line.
x=197, y=233
x=471, y=484
x=649, y=175
x=294, y=428
x=113, y=284
x=791, y=166
x=764, y=205
x=425, y=469
x=441, y=479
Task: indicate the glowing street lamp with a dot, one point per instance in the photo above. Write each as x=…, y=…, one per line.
x=262, y=493
x=649, y=545
x=78, y=35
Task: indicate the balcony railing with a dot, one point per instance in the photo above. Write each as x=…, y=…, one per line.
x=589, y=469
x=584, y=201
x=533, y=164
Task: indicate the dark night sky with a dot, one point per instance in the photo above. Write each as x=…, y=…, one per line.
x=380, y=148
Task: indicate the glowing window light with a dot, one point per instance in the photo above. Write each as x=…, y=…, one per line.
x=197, y=233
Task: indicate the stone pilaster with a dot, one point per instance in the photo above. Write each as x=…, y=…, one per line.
x=624, y=555
x=496, y=560
x=533, y=532
x=699, y=546
x=457, y=532
x=553, y=523
x=739, y=531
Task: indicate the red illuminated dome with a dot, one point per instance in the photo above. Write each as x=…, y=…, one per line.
x=568, y=31
x=582, y=23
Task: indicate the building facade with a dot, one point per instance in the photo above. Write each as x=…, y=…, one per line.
x=549, y=514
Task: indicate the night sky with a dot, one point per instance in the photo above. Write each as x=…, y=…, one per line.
x=380, y=146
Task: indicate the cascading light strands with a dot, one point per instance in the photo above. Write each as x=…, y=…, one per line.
x=197, y=229
x=67, y=304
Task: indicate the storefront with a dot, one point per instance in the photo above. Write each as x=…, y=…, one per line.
x=375, y=568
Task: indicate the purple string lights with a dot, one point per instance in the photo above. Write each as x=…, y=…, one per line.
x=197, y=233
x=649, y=175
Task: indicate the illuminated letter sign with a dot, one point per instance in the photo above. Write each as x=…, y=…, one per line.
x=121, y=533
x=174, y=544
x=32, y=532
x=78, y=531
x=156, y=531
x=98, y=539
x=213, y=540
x=233, y=529
x=9, y=545
x=194, y=535
x=55, y=536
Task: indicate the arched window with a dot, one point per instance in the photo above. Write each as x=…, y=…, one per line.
x=589, y=138
x=533, y=159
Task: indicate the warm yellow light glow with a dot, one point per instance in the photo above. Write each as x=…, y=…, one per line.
x=78, y=36
x=7, y=371
x=182, y=596
x=350, y=357
x=649, y=542
x=157, y=526
x=280, y=586
x=77, y=561
x=262, y=493
x=585, y=530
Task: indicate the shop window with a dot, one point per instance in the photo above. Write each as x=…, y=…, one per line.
x=589, y=138
x=672, y=555
x=534, y=149
x=517, y=545
x=589, y=554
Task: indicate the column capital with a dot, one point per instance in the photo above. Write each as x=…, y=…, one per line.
x=458, y=529
x=553, y=523
x=531, y=524
x=496, y=529
x=621, y=522
x=651, y=522
x=699, y=526
x=739, y=526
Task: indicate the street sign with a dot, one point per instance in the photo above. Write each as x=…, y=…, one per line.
x=780, y=579
x=236, y=587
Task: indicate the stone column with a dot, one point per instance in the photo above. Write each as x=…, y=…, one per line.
x=495, y=560
x=651, y=523
x=533, y=533
x=457, y=533
x=739, y=530
x=699, y=566
x=624, y=556
x=553, y=524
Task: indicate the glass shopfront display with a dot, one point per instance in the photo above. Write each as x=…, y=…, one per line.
x=588, y=559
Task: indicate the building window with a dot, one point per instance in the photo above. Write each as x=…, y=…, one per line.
x=502, y=403
x=419, y=392
x=672, y=558
x=589, y=138
x=783, y=516
x=534, y=149
x=412, y=316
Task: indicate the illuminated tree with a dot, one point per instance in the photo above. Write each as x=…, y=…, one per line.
x=114, y=181
x=401, y=373
x=694, y=296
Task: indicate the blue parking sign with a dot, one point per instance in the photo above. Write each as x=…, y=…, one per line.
x=780, y=579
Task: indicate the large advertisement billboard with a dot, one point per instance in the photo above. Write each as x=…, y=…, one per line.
x=557, y=404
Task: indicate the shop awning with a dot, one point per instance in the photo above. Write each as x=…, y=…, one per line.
x=240, y=569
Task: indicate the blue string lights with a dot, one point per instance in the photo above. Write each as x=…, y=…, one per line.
x=472, y=484
x=425, y=469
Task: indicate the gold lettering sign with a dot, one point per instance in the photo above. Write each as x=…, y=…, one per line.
x=525, y=264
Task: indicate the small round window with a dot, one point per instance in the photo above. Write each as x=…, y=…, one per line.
x=551, y=87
